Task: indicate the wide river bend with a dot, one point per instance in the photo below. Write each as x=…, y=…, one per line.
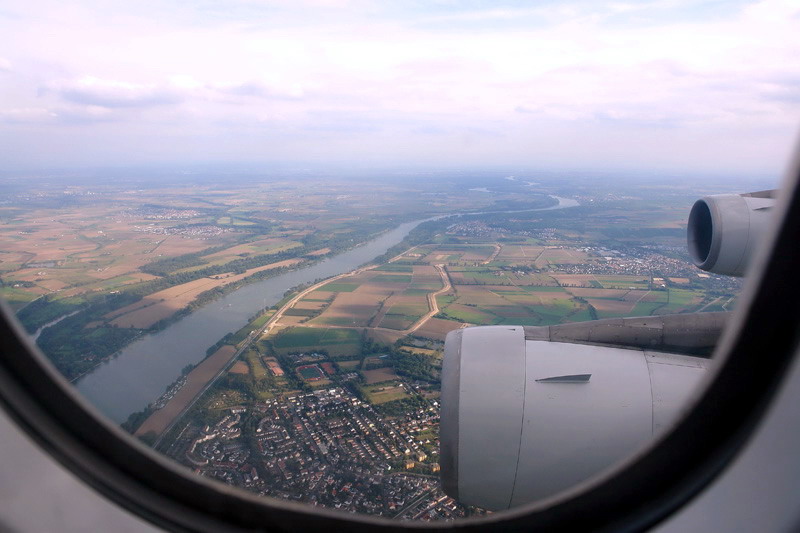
x=140, y=373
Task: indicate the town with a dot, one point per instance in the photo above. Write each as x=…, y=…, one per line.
x=327, y=448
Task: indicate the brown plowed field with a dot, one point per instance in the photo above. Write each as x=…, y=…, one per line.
x=163, y=304
x=612, y=306
x=437, y=329
x=378, y=375
x=240, y=367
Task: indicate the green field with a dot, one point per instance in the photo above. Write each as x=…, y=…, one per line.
x=398, y=322
x=303, y=337
x=254, y=362
x=646, y=308
x=391, y=278
x=300, y=312
x=384, y=392
x=242, y=334
x=416, y=292
x=445, y=299
x=16, y=297
x=416, y=309
x=541, y=288
x=473, y=315
x=260, y=321
x=581, y=316
x=681, y=297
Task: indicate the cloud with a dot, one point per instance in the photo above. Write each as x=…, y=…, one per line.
x=5, y=65
x=59, y=115
x=781, y=89
x=414, y=75
x=27, y=115
x=93, y=91
x=262, y=89
x=80, y=115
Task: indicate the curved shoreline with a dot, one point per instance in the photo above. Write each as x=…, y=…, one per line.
x=182, y=404
x=143, y=369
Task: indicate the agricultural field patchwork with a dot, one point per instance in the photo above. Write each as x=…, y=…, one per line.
x=127, y=259
x=527, y=282
x=393, y=296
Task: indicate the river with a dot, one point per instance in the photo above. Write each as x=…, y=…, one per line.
x=141, y=372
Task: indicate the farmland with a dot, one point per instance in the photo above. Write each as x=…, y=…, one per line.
x=540, y=269
x=379, y=375
x=134, y=254
x=376, y=298
x=122, y=260
x=373, y=337
x=484, y=294
x=333, y=341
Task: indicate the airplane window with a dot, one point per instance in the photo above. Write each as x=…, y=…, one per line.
x=416, y=262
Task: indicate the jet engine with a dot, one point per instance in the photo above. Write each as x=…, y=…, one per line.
x=528, y=412
x=724, y=230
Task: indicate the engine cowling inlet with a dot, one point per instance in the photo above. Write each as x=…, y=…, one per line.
x=725, y=229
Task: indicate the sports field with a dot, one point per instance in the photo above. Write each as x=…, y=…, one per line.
x=310, y=372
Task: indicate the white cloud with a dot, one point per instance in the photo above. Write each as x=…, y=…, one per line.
x=261, y=89
x=272, y=67
x=5, y=64
x=93, y=91
x=27, y=115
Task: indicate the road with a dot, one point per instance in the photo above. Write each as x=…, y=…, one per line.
x=255, y=334
x=299, y=296
x=496, y=252
x=413, y=503
x=433, y=305
x=273, y=321
x=242, y=347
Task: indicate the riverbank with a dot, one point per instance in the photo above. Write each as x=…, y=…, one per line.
x=142, y=370
x=201, y=378
x=196, y=382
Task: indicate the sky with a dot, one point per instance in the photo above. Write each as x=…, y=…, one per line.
x=659, y=85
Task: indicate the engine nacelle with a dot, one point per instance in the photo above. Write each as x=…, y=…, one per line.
x=525, y=417
x=725, y=229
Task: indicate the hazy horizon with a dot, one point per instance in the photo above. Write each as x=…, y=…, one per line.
x=654, y=87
